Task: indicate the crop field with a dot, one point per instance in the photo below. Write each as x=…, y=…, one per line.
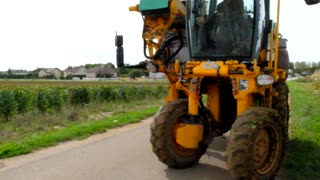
x=32, y=108
x=71, y=83
x=18, y=97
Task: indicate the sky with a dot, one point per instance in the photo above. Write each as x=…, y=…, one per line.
x=62, y=33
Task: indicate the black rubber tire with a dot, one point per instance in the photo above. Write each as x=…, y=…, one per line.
x=120, y=57
x=119, y=40
x=281, y=105
x=162, y=138
x=283, y=60
x=245, y=146
x=283, y=55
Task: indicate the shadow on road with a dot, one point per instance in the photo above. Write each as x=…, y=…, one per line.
x=211, y=165
x=201, y=171
x=217, y=148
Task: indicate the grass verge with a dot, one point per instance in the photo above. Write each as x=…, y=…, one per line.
x=302, y=160
x=76, y=131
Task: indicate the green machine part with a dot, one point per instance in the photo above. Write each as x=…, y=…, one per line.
x=150, y=5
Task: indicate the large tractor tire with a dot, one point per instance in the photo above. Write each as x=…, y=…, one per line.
x=163, y=140
x=255, y=147
x=280, y=103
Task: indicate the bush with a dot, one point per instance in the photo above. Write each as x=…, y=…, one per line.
x=23, y=99
x=79, y=96
x=14, y=76
x=50, y=99
x=8, y=105
x=134, y=73
x=160, y=91
x=105, y=94
x=316, y=83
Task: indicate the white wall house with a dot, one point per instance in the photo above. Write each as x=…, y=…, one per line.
x=157, y=75
x=55, y=72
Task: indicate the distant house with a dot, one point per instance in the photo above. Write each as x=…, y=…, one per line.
x=50, y=72
x=79, y=71
x=157, y=75
x=101, y=72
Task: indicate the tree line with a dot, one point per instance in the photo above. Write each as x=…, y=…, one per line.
x=122, y=72
x=304, y=68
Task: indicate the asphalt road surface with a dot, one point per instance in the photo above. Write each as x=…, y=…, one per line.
x=120, y=154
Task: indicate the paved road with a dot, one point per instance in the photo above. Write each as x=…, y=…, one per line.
x=120, y=155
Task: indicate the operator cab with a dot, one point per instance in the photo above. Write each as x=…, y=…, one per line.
x=225, y=29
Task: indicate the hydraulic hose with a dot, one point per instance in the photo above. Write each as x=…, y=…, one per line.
x=165, y=45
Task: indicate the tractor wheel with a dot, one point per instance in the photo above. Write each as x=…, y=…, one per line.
x=163, y=140
x=280, y=103
x=255, y=147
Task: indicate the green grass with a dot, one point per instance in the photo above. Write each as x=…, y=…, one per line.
x=302, y=160
x=34, y=122
x=75, y=131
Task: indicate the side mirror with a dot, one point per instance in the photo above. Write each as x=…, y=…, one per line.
x=312, y=2
x=119, y=43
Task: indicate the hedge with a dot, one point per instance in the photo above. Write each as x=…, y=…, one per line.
x=20, y=100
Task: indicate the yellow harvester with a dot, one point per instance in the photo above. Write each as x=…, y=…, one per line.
x=226, y=64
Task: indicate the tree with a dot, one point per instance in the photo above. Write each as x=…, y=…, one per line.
x=134, y=73
x=88, y=66
x=123, y=71
x=291, y=68
x=109, y=64
x=291, y=65
x=306, y=68
x=301, y=67
x=9, y=71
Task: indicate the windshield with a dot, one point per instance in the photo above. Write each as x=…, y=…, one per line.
x=220, y=28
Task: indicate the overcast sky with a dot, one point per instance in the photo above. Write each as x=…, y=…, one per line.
x=62, y=33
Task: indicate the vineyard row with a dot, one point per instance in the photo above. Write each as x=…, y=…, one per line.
x=20, y=100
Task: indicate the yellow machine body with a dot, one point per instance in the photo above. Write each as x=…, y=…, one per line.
x=226, y=65
x=188, y=135
x=187, y=77
x=155, y=30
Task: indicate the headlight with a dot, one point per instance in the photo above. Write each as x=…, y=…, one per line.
x=265, y=79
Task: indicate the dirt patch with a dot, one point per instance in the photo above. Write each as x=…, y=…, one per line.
x=98, y=116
